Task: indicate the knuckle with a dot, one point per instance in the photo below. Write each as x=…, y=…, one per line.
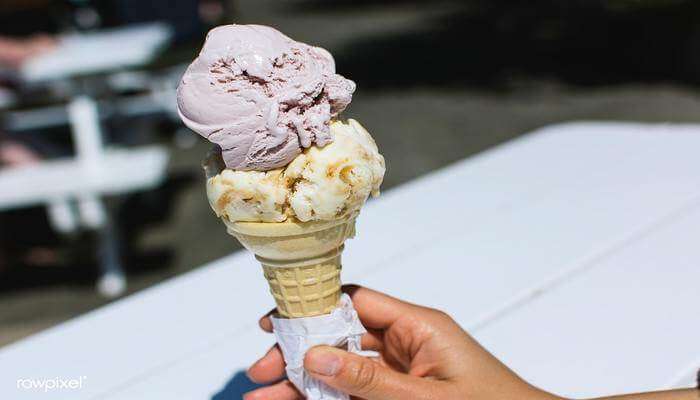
x=441, y=316
x=364, y=376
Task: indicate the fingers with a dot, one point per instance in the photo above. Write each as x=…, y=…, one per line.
x=372, y=340
x=376, y=310
x=269, y=368
x=362, y=377
x=280, y=391
x=265, y=323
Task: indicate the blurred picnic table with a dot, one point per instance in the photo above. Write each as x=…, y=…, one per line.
x=73, y=188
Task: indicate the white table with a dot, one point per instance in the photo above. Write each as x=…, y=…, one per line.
x=571, y=253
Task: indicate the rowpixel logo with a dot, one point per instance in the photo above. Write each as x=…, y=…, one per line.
x=51, y=384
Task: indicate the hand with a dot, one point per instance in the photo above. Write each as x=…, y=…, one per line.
x=16, y=154
x=424, y=354
x=15, y=52
x=40, y=43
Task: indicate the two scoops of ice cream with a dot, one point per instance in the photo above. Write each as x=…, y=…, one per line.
x=287, y=176
x=271, y=106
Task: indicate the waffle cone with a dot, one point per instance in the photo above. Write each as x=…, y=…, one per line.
x=300, y=260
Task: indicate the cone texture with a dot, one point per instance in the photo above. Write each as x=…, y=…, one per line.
x=305, y=290
x=301, y=261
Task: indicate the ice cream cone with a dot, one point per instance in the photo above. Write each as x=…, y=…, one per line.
x=300, y=260
x=287, y=176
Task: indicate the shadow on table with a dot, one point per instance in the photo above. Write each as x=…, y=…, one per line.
x=236, y=387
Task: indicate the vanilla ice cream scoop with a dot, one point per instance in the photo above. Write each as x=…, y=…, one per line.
x=261, y=96
x=319, y=184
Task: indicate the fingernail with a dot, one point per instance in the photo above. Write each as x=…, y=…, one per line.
x=322, y=361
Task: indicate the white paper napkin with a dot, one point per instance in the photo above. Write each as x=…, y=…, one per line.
x=295, y=336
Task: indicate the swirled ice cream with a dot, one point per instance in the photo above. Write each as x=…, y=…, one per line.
x=270, y=105
x=261, y=96
x=320, y=184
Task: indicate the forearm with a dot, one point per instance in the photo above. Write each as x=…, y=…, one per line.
x=685, y=394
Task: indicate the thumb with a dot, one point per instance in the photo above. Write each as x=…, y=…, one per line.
x=363, y=377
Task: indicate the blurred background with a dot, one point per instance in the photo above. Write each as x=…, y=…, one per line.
x=89, y=86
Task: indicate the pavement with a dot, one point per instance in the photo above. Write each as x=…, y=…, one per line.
x=420, y=119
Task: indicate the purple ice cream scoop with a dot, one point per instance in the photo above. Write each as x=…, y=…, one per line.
x=261, y=96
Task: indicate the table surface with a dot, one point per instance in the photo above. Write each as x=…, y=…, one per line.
x=571, y=253
x=94, y=52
